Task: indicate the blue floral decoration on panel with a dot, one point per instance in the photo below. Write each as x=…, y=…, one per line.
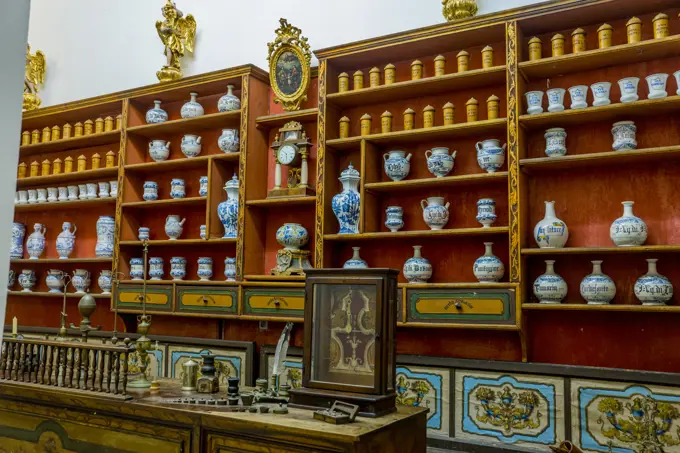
x=412, y=388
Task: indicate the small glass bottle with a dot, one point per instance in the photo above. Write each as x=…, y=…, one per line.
x=343, y=127
x=110, y=159
x=374, y=77
x=108, y=124
x=472, y=110
x=56, y=166
x=634, y=29
x=417, y=70
x=463, y=58
x=390, y=74
x=96, y=160
x=439, y=65
x=428, y=116
x=557, y=42
x=409, y=119
x=358, y=80
x=56, y=133
x=535, y=48
x=449, y=114
x=343, y=82
x=386, y=122
x=366, y=124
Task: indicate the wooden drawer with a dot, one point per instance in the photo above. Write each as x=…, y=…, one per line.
x=242, y=444
x=207, y=299
x=158, y=297
x=283, y=302
x=449, y=306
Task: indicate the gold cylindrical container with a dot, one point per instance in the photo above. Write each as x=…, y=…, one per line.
x=472, y=110
x=416, y=70
x=343, y=82
x=99, y=125
x=46, y=135
x=557, y=45
x=463, y=61
x=119, y=121
x=108, y=124
x=439, y=65
x=77, y=129
x=409, y=119
x=374, y=77
x=492, y=107
x=358, y=80
x=96, y=160
x=67, y=131
x=535, y=49
x=428, y=116
x=386, y=122
x=25, y=138
x=22, y=170
x=661, y=26
x=578, y=40
x=366, y=124
x=56, y=166
x=56, y=133
x=487, y=57
x=343, y=127
x=45, y=168
x=82, y=163
x=449, y=114
x=35, y=169
x=189, y=375
x=89, y=127
x=68, y=165
x=390, y=74
x=634, y=29
x=35, y=137
x=110, y=159
x=604, y=36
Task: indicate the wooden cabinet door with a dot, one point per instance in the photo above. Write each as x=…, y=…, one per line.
x=227, y=444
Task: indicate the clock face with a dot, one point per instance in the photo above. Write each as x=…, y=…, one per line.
x=287, y=154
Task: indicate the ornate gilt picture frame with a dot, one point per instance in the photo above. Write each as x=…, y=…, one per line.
x=289, y=66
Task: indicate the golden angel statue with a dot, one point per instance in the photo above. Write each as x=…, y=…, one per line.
x=177, y=34
x=34, y=76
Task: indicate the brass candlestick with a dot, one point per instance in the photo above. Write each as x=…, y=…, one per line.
x=86, y=307
x=63, y=333
x=143, y=343
x=114, y=338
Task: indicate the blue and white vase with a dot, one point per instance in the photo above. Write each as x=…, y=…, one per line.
x=105, y=281
x=550, y=288
x=417, y=269
x=229, y=141
x=579, y=97
x=292, y=236
x=178, y=267
x=490, y=155
x=435, y=212
x=555, y=142
x=177, y=188
x=35, y=244
x=395, y=218
x=66, y=241
x=150, y=191
x=628, y=230
x=229, y=102
x=440, y=162
x=159, y=150
x=136, y=268
x=230, y=269
x=346, y=204
x=355, y=262
x=16, y=248
x=143, y=233
x=156, y=114
x=174, y=226
x=597, y=288
x=551, y=232
x=191, y=145
x=534, y=102
x=556, y=99
x=397, y=165
x=192, y=108
x=203, y=232
x=105, y=228
x=601, y=93
x=203, y=186
x=624, y=133
x=657, y=86
x=156, y=268
x=629, y=89
x=26, y=280
x=205, y=268
x=227, y=211
x=54, y=280
x=488, y=268
x=653, y=288
x=486, y=212
x=81, y=281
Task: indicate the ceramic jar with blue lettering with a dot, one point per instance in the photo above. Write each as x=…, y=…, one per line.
x=629, y=89
x=555, y=142
x=80, y=280
x=597, y=288
x=628, y=230
x=105, y=281
x=579, y=98
x=490, y=155
x=136, y=268
x=229, y=102
x=156, y=114
x=143, y=233
x=292, y=236
x=104, y=245
x=178, y=267
x=346, y=204
x=205, y=268
x=417, y=269
x=601, y=93
x=435, y=212
x=488, y=268
x=227, y=211
x=156, y=268
x=159, y=150
x=624, y=133
x=35, y=244
x=150, y=191
x=203, y=186
x=191, y=145
x=556, y=99
x=397, y=165
x=66, y=241
x=177, y=188
x=551, y=232
x=230, y=269
x=16, y=248
x=395, y=218
x=486, y=212
x=26, y=280
x=55, y=281
x=440, y=162
x=174, y=226
x=229, y=141
x=657, y=86
x=355, y=262
x=653, y=288
x=192, y=108
x=550, y=288
x=534, y=102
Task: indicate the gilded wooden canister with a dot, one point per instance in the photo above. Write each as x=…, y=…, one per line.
x=82, y=163
x=343, y=127
x=472, y=110
x=343, y=82
x=463, y=61
x=68, y=165
x=22, y=170
x=99, y=125
x=25, y=138
x=374, y=77
x=535, y=49
x=108, y=124
x=110, y=159
x=487, y=57
x=416, y=70
x=89, y=127
x=557, y=45
x=67, y=131
x=439, y=65
x=46, y=135
x=189, y=375
x=358, y=80
x=386, y=122
x=35, y=137
x=96, y=160
x=45, y=168
x=449, y=111
x=56, y=133
x=77, y=129
x=634, y=29
x=366, y=124
x=409, y=119
x=492, y=107
x=661, y=26
x=56, y=166
x=35, y=169
x=119, y=121
x=428, y=116
x=578, y=40
x=604, y=36
x=390, y=74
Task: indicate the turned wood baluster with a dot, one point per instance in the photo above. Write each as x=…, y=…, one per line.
x=42, y=357
x=116, y=372
x=100, y=371
x=68, y=374
x=86, y=363
x=93, y=369
x=61, y=367
x=125, y=371
x=109, y=365
x=10, y=361
x=22, y=360
x=48, y=365
x=3, y=360
x=76, y=367
x=29, y=363
x=55, y=366
x=15, y=362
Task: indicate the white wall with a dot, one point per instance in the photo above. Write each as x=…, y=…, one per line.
x=95, y=47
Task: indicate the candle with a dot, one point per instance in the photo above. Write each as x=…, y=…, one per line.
x=14, y=326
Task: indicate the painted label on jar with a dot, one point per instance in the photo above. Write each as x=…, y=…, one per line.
x=558, y=48
x=343, y=84
x=661, y=29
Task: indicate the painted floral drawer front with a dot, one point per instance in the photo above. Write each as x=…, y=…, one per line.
x=426, y=387
x=461, y=306
x=207, y=299
x=274, y=302
x=228, y=362
x=158, y=298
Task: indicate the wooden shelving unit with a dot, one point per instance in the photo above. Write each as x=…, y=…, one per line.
x=283, y=202
x=607, y=158
x=42, y=294
x=432, y=183
x=607, y=250
x=188, y=125
x=59, y=260
x=85, y=141
x=86, y=175
x=279, y=119
x=607, y=308
x=417, y=234
x=171, y=202
x=59, y=205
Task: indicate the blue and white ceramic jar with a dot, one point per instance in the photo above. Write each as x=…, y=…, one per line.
x=601, y=93
x=395, y=218
x=136, y=268
x=174, y=226
x=26, y=280
x=550, y=288
x=159, y=150
x=555, y=142
x=227, y=211
x=156, y=114
x=486, y=212
x=66, y=240
x=490, y=155
x=597, y=288
x=579, y=98
x=229, y=141
x=440, y=162
x=55, y=281
x=435, y=212
x=11, y=278
x=192, y=108
x=346, y=204
x=150, y=191
x=203, y=232
x=624, y=133
x=551, y=232
x=355, y=262
x=191, y=145
x=16, y=248
x=156, y=268
x=205, y=268
x=203, y=186
x=105, y=281
x=35, y=244
x=178, y=267
x=80, y=281
x=105, y=228
x=653, y=288
x=229, y=102
x=230, y=269
x=628, y=230
x=417, y=269
x=657, y=86
x=177, y=188
x=556, y=99
x=534, y=102
x=488, y=268
x=143, y=233
x=292, y=236
x=397, y=165
x=629, y=89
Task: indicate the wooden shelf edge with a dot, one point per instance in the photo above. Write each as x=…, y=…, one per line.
x=612, y=249
x=55, y=295
x=474, y=178
x=65, y=177
x=282, y=201
x=279, y=119
x=57, y=260
x=468, y=326
x=62, y=204
x=197, y=122
x=166, y=202
x=610, y=307
x=638, y=155
x=182, y=162
x=417, y=234
x=70, y=143
x=459, y=285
